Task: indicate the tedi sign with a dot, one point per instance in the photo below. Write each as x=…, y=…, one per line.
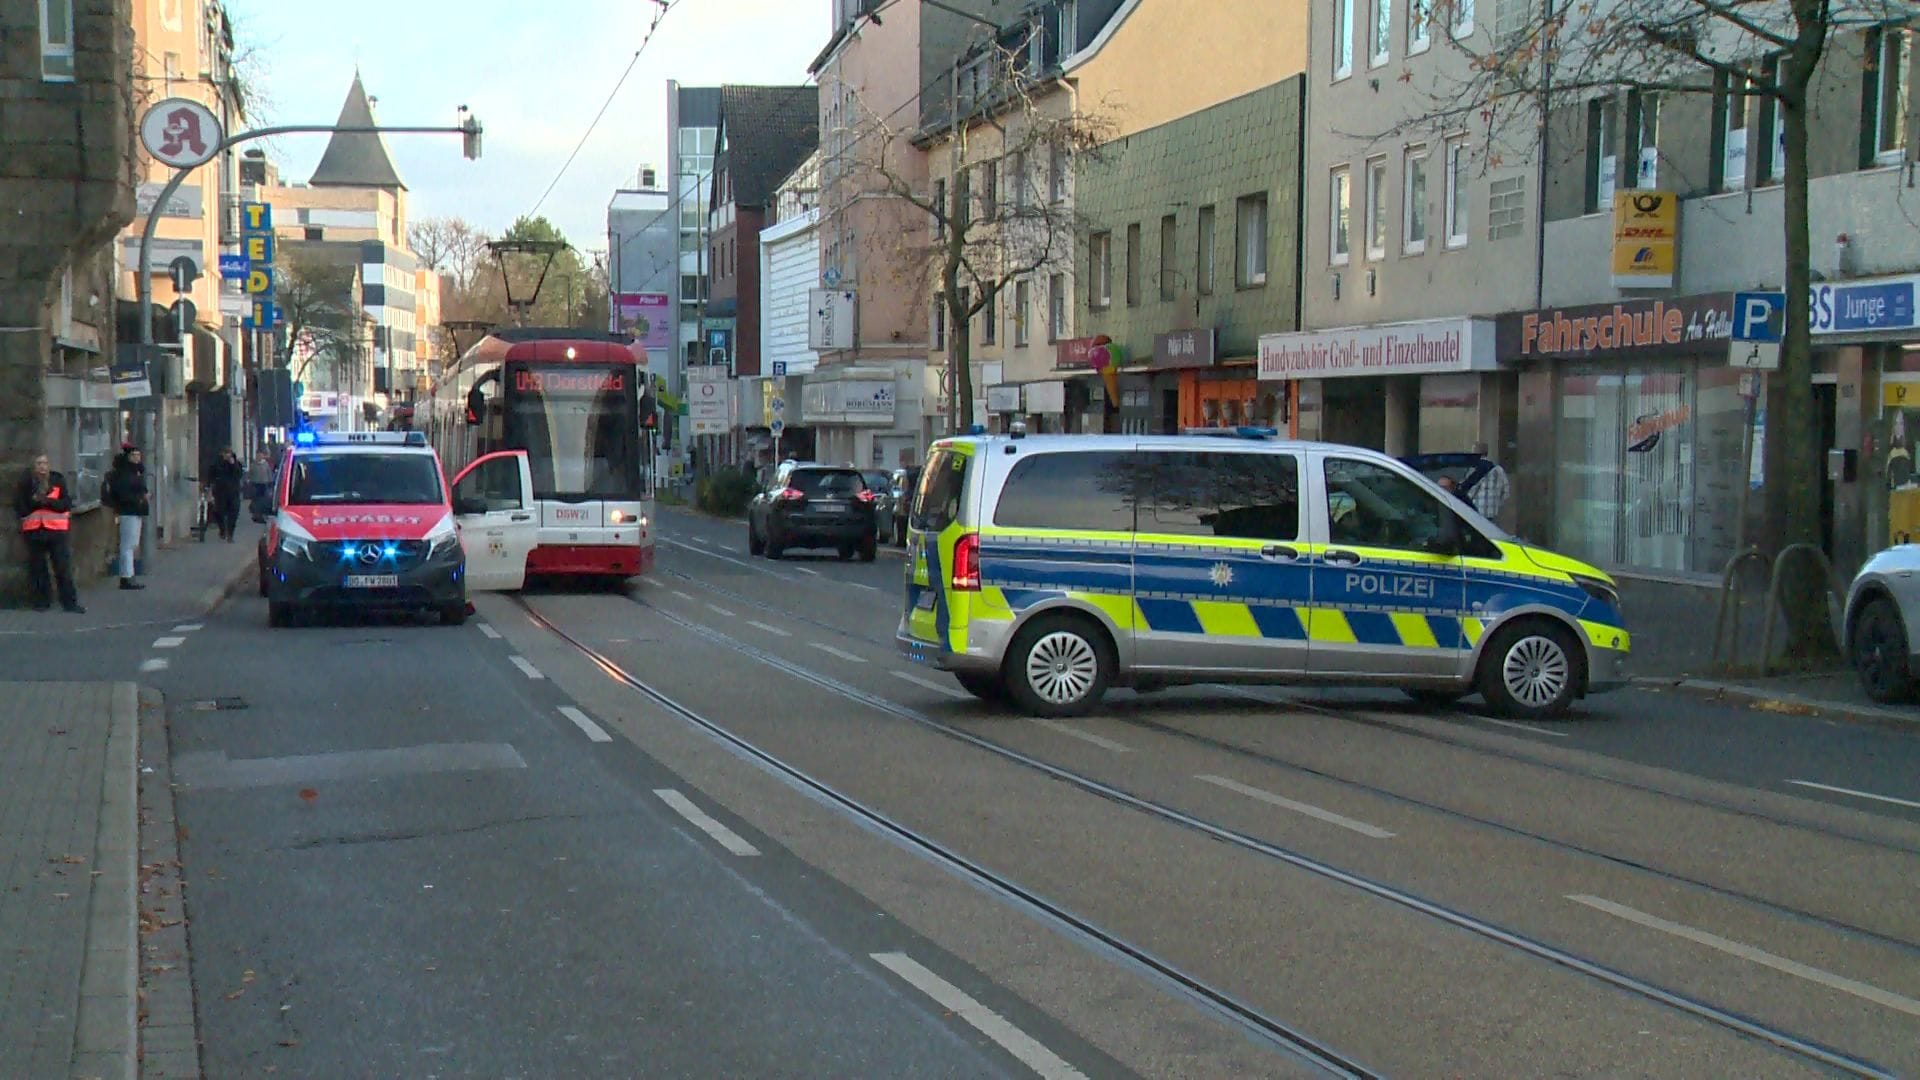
x=1414, y=348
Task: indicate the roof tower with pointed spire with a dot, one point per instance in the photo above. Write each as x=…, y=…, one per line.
x=356, y=159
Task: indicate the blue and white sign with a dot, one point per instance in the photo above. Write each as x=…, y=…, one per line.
x=1759, y=316
x=779, y=368
x=233, y=267
x=1886, y=304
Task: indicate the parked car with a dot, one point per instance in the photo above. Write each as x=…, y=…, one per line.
x=881, y=485
x=813, y=506
x=903, y=483
x=1882, y=606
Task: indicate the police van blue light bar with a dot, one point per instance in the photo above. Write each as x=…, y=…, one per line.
x=1242, y=432
x=304, y=438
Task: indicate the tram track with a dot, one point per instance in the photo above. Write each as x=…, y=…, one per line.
x=1786, y=1041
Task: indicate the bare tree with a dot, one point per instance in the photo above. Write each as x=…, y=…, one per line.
x=449, y=246
x=985, y=239
x=316, y=298
x=1566, y=52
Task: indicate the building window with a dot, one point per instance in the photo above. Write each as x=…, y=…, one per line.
x=1203, y=268
x=315, y=232
x=1643, y=120
x=939, y=322
x=1419, y=25
x=1100, y=270
x=990, y=190
x=941, y=209
x=56, y=40
x=1377, y=209
x=1056, y=307
x=1250, y=241
x=1413, y=214
x=1736, y=93
x=1342, y=38
x=1457, y=184
x=1133, y=266
x=1340, y=215
x=1380, y=34
x=1462, y=18
x=1022, y=297
x=990, y=321
x=1169, y=241
x=1603, y=161
x=1771, y=130
x=1017, y=179
x=1890, y=56
x=1057, y=166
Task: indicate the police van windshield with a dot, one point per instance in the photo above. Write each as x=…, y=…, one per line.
x=360, y=478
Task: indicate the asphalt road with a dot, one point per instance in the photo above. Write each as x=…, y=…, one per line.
x=715, y=825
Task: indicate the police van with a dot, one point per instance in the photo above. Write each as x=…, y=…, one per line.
x=1046, y=569
x=367, y=520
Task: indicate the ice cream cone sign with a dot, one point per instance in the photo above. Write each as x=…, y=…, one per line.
x=1105, y=357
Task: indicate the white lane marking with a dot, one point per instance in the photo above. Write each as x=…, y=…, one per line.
x=841, y=653
x=1759, y=956
x=1857, y=794
x=187, y=628
x=701, y=540
x=929, y=684
x=729, y=547
x=858, y=585
x=594, y=731
x=805, y=570
x=1084, y=736
x=155, y=664
x=722, y=835
x=1308, y=809
x=738, y=562
x=984, y=1020
x=683, y=595
x=1529, y=728
x=168, y=642
x=718, y=610
x=488, y=630
x=530, y=671
x=769, y=629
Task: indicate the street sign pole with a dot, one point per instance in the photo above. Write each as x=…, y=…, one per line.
x=1759, y=324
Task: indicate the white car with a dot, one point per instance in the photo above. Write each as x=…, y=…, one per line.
x=1882, y=604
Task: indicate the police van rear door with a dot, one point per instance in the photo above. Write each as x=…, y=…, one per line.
x=1389, y=591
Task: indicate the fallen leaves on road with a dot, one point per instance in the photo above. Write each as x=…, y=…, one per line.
x=307, y=794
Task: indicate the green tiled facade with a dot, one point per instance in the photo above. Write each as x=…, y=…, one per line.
x=1241, y=147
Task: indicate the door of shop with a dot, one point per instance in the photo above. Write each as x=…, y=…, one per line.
x=1354, y=412
x=1825, y=406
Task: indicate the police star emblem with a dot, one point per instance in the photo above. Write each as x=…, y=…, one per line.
x=1221, y=575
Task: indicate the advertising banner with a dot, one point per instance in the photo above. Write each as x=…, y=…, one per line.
x=648, y=317
x=1646, y=230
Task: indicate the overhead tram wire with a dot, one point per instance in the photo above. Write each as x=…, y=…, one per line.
x=665, y=7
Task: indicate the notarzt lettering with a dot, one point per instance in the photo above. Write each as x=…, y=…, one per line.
x=366, y=519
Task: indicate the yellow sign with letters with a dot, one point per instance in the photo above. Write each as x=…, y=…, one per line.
x=1646, y=238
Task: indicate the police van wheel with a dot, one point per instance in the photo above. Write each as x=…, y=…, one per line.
x=1531, y=670
x=1058, y=667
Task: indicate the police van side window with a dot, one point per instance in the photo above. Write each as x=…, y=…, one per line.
x=1237, y=496
x=1086, y=492
x=1369, y=505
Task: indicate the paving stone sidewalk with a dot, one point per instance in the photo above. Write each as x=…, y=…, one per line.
x=183, y=580
x=68, y=848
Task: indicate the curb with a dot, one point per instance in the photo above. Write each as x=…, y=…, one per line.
x=106, y=1034
x=1791, y=704
x=167, y=1027
x=213, y=595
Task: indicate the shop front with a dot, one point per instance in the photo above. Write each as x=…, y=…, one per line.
x=1866, y=336
x=1430, y=386
x=1089, y=369
x=858, y=417
x=1631, y=432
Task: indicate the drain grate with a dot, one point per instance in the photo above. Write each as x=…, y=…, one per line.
x=220, y=704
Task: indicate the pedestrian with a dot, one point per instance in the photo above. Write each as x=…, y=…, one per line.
x=228, y=475
x=259, y=483
x=44, y=502
x=127, y=496
x=1490, y=494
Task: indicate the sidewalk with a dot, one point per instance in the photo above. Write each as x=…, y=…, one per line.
x=184, y=580
x=68, y=843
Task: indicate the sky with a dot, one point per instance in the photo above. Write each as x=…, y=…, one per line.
x=534, y=73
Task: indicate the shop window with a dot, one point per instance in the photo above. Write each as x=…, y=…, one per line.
x=1082, y=491
x=1241, y=496
x=1884, y=111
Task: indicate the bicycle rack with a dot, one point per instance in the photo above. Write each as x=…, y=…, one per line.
x=1720, y=621
x=1773, y=596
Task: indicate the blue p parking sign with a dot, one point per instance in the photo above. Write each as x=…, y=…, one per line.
x=1759, y=316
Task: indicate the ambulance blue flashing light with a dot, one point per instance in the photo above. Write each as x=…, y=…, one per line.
x=305, y=438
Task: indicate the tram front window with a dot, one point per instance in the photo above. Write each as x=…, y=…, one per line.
x=580, y=430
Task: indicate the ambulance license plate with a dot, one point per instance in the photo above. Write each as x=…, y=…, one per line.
x=373, y=581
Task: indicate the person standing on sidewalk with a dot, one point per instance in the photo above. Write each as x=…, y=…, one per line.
x=126, y=495
x=1490, y=495
x=259, y=483
x=44, y=503
x=228, y=475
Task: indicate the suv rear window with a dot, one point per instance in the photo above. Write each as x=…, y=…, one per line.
x=815, y=483
x=1086, y=491
x=942, y=486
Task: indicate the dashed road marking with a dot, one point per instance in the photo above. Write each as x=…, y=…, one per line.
x=155, y=664
x=860, y=585
x=701, y=540
x=187, y=628
x=700, y=819
x=806, y=570
x=1308, y=809
x=718, y=610
x=1084, y=736
x=683, y=595
x=841, y=653
x=173, y=642
x=530, y=671
x=984, y=1020
x=1827, y=979
x=929, y=684
x=769, y=629
x=1528, y=728
x=490, y=631
x=594, y=731
x=1856, y=794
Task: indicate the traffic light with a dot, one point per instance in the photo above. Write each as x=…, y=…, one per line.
x=470, y=138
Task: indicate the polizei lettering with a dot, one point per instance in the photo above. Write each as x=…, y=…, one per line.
x=366, y=519
x=1408, y=585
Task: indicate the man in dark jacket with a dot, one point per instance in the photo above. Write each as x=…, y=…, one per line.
x=43, y=501
x=228, y=475
x=126, y=495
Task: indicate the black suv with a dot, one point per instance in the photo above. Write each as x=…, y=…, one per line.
x=813, y=506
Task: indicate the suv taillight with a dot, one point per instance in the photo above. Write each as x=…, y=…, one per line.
x=794, y=495
x=866, y=496
x=966, y=564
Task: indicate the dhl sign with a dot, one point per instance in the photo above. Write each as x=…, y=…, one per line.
x=1646, y=237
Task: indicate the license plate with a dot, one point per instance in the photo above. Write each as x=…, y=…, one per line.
x=925, y=601
x=373, y=581
x=830, y=507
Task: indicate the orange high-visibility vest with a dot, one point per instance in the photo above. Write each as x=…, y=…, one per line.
x=50, y=520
